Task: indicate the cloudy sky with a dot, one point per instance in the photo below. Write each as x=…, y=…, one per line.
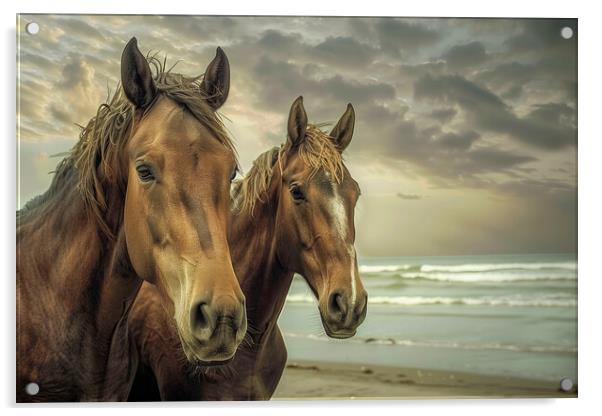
x=465, y=139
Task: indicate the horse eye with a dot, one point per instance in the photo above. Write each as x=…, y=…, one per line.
x=233, y=175
x=297, y=193
x=145, y=173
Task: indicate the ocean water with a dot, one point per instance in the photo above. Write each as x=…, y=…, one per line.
x=499, y=315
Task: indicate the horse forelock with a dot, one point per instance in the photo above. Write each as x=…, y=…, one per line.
x=317, y=151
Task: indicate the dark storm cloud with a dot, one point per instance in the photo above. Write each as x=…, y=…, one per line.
x=60, y=114
x=81, y=29
x=489, y=112
x=443, y=115
x=344, y=51
x=339, y=51
x=459, y=141
x=430, y=67
x=508, y=78
x=75, y=72
x=554, y=57
x=494, y=159
x=281, y=42
x=31, y=60
x=376, y=114
x=449, y=158
x=199, y=29
x=508, y=72
x=553, y=113
x=466, y=55
x=543, y=36
x=456, y=89
x=397, y=35
x=281, y=82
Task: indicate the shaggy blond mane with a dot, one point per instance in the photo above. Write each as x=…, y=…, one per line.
x=317, y=151
x=105, y=136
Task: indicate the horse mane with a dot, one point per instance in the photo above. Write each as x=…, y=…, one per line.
x=317, y=151
x=94, y=156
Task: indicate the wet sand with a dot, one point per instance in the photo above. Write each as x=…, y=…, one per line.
x=317, y=380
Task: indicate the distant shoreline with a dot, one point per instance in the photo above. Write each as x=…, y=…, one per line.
x=321, y=380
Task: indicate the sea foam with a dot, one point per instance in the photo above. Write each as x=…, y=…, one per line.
x=508, y=301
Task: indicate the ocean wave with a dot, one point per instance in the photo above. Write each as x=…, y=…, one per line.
x=365, y=268
x=300, y=298
x=469, y=268
x=498, y=346
x=499, y=266
x=509, y=301
x=488, y=277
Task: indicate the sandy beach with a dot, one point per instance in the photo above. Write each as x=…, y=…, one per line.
x=317, y=380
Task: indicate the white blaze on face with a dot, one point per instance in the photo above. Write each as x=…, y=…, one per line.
x=178, y=291
x=351, y=250
x=337, y=210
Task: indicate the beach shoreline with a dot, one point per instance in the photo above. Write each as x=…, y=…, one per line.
x=328, y=380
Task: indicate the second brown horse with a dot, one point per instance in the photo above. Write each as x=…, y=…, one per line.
x=293, y=213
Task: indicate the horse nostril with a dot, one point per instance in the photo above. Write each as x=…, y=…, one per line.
x=200, y=318
x=361, y=311
x=336, y=305
x=241, y=317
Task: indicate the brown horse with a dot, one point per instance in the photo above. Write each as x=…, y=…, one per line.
x=143, y=195
x=293, y=213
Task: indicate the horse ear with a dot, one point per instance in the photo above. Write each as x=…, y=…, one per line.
x=343, y=131
x=297, y=123
x=136, y=76
x=216, y=82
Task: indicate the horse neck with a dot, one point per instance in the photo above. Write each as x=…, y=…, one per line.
x=263, y=279
x=64, y=252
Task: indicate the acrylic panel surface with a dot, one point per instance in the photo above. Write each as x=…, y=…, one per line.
x=464, y=150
